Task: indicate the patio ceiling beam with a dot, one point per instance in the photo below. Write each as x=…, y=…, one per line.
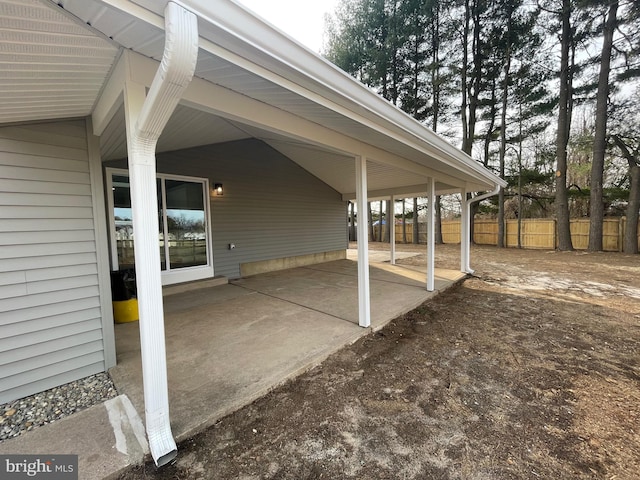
x=220, y=101
x=409, y=191
x=288, y=60
x=393, y=123
x=231, y=105
x=110, y=98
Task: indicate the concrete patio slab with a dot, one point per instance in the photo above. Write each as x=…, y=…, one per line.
x=223, y=355
x=226, y=346
x=332, y=288
x=108, y=438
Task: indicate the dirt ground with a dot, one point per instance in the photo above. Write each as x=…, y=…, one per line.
x=528, y=370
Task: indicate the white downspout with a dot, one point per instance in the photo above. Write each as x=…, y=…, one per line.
x=172, y=78
x=467, y=220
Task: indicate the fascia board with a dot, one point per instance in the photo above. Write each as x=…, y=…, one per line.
x=208, y=97
x=317, y=73
x=110, y=98
x=314, y=73
x=274, y=51
x=411, y=191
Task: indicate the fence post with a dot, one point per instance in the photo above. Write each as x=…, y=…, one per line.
x=621, y=228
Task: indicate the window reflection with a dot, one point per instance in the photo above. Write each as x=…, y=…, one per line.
x=182, y=238
x=123, y=221
x=185, y=224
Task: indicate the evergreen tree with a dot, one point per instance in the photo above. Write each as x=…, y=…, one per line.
x=600, y=138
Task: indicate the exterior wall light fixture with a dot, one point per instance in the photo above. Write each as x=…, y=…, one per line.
x=218, y=190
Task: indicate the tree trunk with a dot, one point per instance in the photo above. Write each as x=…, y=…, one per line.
x=630, y=241
x=630, y=244
x=503, y=134
x=466, y=146
x=435, y=101
x=372, y=237
x=520, y=177
x=492, y=123
x=415, y=221
x=596, y=213
x=435, y=64
x=477, y=49
x=561, y=198
x=470, y=86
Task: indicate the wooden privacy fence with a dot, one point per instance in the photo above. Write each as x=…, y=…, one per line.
x=422, y=233
x=535, y=233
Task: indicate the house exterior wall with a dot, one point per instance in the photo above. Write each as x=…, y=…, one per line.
x=52, y=315
x=271, y=207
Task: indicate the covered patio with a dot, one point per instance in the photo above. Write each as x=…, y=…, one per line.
x=228, y=345
x=171, y=101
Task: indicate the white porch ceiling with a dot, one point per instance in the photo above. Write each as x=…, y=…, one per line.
x=186, y=128
x=190, y=128
x=50, y=67
x=57, y=57
x=338, y=171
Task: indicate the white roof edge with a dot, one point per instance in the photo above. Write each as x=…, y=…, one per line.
x=266, y=37
x=289, y=54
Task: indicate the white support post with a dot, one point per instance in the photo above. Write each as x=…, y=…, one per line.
x=364, y=302
x=144, y=204
x=431, y=238
x=465, y=223
x=391, y=220
x=146, y=115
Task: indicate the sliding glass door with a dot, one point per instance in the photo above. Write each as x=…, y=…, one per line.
x=184, y=233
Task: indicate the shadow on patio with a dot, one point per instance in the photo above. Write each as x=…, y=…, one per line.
x=230, y=344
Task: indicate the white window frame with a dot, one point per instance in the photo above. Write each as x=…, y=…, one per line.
x=179, y=275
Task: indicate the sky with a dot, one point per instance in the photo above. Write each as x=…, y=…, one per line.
x=300, y=19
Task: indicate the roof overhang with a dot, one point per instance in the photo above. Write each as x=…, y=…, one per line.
x=251, y=81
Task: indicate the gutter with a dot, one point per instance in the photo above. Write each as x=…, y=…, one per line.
x=294, y=67
x=171, y=80
x=466, y=261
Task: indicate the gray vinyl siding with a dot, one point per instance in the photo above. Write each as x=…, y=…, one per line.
x=271, y=207
x=51, y=329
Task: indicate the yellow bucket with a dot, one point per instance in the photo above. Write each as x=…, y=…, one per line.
x=125, y=311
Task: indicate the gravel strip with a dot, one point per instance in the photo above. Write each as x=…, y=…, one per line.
x=27, y=413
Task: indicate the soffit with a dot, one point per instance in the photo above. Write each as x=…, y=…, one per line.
x=254, y=73
x=339, y=171
x=51, y=67
x=186, y=128
x=190, y=128
x=70, y=49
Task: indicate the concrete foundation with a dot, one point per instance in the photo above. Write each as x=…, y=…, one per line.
x=276, y=264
